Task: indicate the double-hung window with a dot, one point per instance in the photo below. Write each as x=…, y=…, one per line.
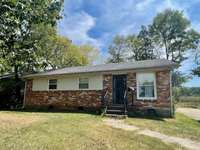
x=52, y=84
x=146, y=86
x=83, y=83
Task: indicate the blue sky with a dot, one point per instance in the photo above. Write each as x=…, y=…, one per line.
x=97, y=21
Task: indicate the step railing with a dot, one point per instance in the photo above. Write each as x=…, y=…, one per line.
x=125, y=102
x=133, y=92
x=105, y=101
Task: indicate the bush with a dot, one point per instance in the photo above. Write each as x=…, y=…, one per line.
x=7, y=93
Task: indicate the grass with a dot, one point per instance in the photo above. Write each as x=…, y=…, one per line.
x=72, y=131
x=188, y=101
x=180, y=126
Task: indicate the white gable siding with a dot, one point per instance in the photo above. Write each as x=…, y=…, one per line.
x=69, y=82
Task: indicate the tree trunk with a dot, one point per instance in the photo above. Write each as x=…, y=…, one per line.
x=17, y=85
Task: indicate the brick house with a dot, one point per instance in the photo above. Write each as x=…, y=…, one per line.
x=143, y=86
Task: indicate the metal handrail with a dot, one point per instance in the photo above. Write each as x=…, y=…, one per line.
x=125, y=102
x=104, y=97
x=105, y=102
x=132, y=90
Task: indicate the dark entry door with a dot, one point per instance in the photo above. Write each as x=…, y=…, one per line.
x=119, y=87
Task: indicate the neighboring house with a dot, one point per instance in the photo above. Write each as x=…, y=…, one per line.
x=141, y=85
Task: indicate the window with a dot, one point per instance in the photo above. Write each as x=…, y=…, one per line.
x=146, y=86
x=52, y=84
x=83, y=83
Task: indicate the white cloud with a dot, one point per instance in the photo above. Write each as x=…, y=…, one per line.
x=196, y=25
x=143, y=4
x=174, y=5
x=129, y=29
x=76, y=27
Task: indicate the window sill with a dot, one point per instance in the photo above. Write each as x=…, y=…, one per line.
x=147, y=99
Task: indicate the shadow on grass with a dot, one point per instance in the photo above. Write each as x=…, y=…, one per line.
x=91, y=112
x=145, y=116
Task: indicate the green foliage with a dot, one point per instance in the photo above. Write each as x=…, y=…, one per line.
x=170, y=34
x=132, y=47
x=176, y=91
x=117, y=50
x=7, y=92
x=179, y=78
x=190, y=91
x=171, y=31
x=55, y=51
x=196, y=71
x=17, y=47
x=17, y=20
x=141, y=46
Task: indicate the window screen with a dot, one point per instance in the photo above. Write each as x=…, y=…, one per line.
x=83, y=83
x=146, y=85
x=53, y=84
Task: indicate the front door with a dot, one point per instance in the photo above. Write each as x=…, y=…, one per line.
x=119, y=87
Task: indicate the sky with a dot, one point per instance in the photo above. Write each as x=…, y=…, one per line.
x=96, y=22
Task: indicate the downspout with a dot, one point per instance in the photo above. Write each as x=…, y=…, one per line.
x=24, y=94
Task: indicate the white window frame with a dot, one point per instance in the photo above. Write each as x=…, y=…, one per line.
x=79, y=83
x=56, y=85
x=155, y=87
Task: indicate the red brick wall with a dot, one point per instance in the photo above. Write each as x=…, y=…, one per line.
x=61, y=99
x=92, y=98
x=161, y=104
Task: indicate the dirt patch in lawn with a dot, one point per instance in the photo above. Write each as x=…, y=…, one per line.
x=120, y=124
x=12, y=120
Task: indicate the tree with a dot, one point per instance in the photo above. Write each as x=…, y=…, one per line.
x=178, y=78
x=141, y=46
x=55, y=51
x=90, y=52
x=117, y=50
x=196, y=71
x=17, y=19
x=171, y=31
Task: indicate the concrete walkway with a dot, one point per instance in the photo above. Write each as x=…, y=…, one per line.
x=120, y=124
x=193, y=145
x=190, y=112
x=171, y=139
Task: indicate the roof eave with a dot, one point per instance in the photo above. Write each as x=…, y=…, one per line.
x=167, y=67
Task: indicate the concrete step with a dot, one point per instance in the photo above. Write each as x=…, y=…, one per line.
x=116, y=116
x=116, y=107
x=115, y=110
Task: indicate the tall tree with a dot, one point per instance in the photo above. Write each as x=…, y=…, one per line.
x=55, y=51
x=141, y=46
x=117, y=50
x=172, y=32
x=196, y=71
x=17, y=19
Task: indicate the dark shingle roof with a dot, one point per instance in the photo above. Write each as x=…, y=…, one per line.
x=156, y=63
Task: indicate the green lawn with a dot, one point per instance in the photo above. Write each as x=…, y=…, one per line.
x=188, y=101
x=180, y=126
x=58, y=131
